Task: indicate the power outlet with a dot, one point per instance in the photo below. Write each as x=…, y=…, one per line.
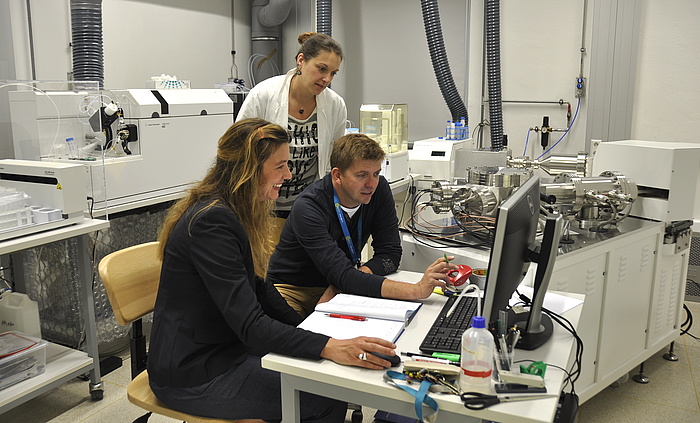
x=580, y=86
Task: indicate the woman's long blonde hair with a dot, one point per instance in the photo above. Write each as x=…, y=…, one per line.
x=234, y=180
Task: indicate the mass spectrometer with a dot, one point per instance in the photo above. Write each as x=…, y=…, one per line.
x=140, y=146
x=626, y=248
x=666, y=174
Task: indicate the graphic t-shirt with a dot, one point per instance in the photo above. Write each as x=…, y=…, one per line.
x=303, y=159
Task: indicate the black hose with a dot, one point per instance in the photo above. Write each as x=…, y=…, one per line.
x=438, y=55
x=324, y=17
x=86, y=34
x=493, y=60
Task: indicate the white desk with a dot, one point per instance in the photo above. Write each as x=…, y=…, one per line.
x=366, y=387
x=62, y=363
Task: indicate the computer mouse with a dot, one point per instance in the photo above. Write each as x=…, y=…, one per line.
x=395, y=360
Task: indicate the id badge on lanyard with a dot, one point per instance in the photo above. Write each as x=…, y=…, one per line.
x=346, y=232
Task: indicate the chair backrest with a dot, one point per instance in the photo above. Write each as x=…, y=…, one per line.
x=131, y=278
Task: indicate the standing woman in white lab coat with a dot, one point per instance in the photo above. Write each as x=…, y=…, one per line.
x=313, y=114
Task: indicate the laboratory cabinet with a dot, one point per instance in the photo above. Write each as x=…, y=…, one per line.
x=633, y=284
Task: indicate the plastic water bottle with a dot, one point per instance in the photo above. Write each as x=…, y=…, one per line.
x=477, y=357
x=458, y=131
x=72, y=148
x=449, y=129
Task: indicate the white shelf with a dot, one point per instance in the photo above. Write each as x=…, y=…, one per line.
x=8, y=246
x=62, y=364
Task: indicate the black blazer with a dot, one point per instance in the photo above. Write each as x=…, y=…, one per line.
x=211, y=310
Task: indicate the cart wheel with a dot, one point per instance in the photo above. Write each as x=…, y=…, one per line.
x=356, y=416
x=97, y=395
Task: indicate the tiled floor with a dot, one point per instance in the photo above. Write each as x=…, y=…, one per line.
x=672, y=395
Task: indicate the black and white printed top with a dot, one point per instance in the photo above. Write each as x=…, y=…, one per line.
x=303, y=159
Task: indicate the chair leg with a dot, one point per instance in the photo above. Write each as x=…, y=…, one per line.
x=356, y=413
x=144, y=418
x=138, y=348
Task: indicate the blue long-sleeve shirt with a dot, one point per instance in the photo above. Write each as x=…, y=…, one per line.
x=312, y=250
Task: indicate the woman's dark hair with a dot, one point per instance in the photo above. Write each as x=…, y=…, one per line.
x=313, y=44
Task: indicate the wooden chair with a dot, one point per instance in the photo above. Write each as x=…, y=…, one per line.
x=131, y=278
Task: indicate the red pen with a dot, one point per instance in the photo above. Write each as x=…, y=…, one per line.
x=345, y=316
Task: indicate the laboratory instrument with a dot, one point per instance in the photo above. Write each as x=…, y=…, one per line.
x=55, y=196
x=633, y=273
x=143, y=135
x=388, y=125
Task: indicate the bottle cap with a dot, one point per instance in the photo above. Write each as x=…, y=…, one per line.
x=111, y=109
x=478, y=322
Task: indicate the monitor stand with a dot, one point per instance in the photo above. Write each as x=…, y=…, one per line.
x=531, y=338
x=536, y=327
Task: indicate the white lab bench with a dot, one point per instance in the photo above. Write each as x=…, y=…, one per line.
x=62, y=363
x=367, y=387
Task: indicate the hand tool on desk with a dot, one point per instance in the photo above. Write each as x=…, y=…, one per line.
x=479, y=401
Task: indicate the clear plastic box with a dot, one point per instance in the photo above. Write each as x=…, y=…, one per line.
x=21, y=357
x=387, y=124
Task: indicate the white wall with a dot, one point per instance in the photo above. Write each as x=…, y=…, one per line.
x=143, y=38
x=387, y=58
x=667, y=89
x=540, y=60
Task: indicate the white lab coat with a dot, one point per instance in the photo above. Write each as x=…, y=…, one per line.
x=269, y=100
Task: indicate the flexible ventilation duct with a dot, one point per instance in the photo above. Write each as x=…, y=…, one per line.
x=438, y=55
x=493, y=60
x=324, y=17
x=86, y=29
x=266, y=30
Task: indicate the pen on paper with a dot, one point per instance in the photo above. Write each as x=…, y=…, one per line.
x=346, y=316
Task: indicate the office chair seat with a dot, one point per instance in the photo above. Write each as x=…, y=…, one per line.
x=131, y=277
x=139, y=393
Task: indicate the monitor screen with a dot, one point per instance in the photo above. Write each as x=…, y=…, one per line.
x=516, y=227
x=513, y=249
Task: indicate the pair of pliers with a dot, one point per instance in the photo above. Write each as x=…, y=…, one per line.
x=479, y=401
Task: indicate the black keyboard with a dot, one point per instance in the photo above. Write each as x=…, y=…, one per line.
x=445, y=335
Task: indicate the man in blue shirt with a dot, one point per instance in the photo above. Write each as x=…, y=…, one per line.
x=318, y=254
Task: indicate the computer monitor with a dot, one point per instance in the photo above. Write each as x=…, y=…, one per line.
x=514, y=247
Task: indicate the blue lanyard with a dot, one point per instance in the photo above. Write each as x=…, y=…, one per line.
x=420, y=395
x=346, y=231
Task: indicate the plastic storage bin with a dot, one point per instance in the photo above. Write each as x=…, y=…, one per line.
x=19, y=313
x=21, y=357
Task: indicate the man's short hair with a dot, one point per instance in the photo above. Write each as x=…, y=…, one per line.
x=351, y=147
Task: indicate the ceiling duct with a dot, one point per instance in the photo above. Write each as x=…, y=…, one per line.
x=86, y=33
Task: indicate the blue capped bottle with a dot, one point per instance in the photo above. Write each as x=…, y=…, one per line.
x=477, y=357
